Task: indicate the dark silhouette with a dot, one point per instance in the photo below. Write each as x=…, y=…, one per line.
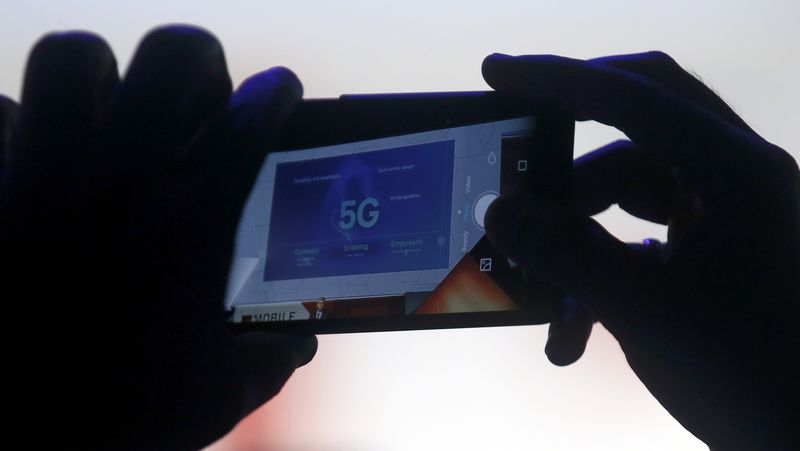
x=120, y=198
x=708, y=320
x=119, y=204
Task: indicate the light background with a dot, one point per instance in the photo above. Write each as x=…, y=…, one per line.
x=459, y=389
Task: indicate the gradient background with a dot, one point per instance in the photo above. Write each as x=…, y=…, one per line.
x=460, y=389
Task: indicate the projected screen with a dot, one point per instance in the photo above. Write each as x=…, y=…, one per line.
x=362, y=213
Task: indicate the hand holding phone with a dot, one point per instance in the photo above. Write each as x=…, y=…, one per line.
x=708, y=321
x=118, y=207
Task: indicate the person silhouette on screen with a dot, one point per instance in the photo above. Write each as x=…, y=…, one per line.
x=320, y=312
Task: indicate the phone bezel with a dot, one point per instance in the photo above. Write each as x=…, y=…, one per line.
x=352, y=118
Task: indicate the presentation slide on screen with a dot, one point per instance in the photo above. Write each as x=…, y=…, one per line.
x=373, y=212
x=384, y=219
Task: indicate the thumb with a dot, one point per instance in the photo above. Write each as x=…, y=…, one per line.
x=575, y=254
x=266, y=360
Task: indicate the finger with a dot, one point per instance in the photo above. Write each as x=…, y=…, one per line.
x=670, y=127
x=621, y=173
x=259, y=108
x=230, y=158
x=261, y=104
x=569, y=333
x=217, y=168
x=574, y=253
x=177, y=80
x=69, y=80
x=9, y=111
x=662, y=69
x=267, y=360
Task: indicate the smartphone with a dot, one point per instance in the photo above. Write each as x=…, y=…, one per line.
x=369, y=215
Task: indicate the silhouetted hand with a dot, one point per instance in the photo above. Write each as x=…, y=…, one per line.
x=708, y=320
x=119, y=206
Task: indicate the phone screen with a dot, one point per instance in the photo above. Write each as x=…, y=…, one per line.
x=388, y=227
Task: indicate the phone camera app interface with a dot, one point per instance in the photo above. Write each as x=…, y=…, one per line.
x=380, y=228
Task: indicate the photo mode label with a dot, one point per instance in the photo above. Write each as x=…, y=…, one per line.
x=372, y=212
